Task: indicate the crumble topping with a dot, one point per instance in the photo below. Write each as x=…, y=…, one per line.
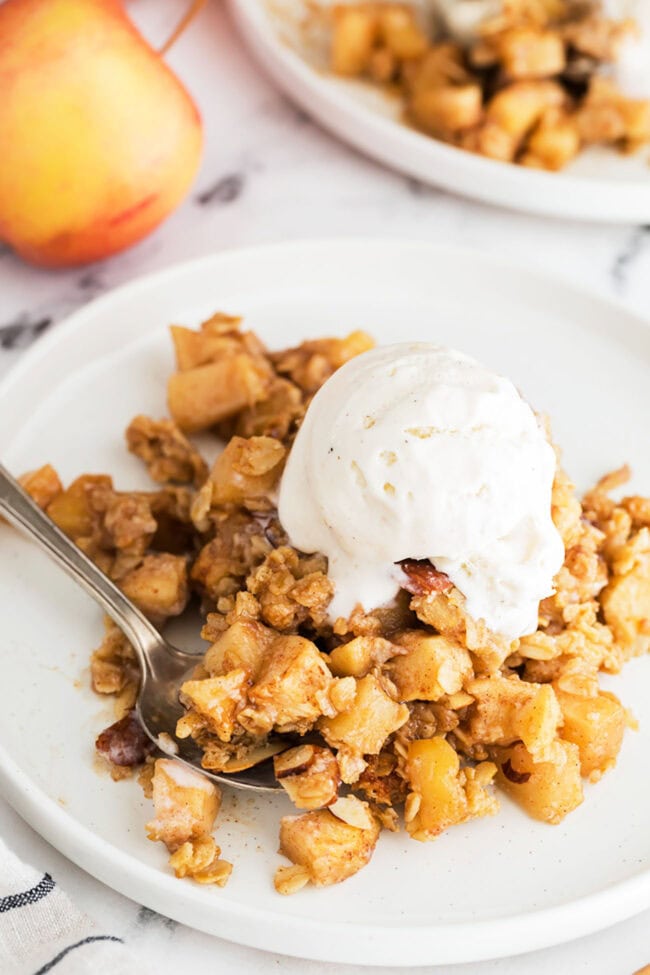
x=422, y=711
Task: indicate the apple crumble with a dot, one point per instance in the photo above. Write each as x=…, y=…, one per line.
x=534, y=83
x=412, y=713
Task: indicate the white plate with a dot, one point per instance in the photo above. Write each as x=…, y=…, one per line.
x=599, y=185
x=492, y=887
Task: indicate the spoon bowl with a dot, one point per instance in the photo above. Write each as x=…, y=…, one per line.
x=163, y=666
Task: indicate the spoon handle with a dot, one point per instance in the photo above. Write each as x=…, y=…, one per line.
x=23, y=512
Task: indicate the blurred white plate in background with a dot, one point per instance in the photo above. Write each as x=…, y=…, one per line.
x=601, y=185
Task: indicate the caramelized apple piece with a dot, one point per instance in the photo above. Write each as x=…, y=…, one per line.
x=186, y=804
x=327, y=849
x=546, y=790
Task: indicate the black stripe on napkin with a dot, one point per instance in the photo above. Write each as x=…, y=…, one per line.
x=42, y=889
x=66, y=951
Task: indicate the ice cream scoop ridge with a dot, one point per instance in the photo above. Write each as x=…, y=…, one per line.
x=416, y=451
x=632, y=68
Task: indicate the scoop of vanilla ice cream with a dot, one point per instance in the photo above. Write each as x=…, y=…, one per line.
x=632, y=68
x=416, y=451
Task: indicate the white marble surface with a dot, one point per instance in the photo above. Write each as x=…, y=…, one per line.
x=270, y=174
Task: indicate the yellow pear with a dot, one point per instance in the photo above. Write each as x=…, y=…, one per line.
x=99, y=141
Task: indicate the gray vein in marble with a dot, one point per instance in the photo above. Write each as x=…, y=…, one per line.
x=146, y=917
x=22, y=331
x=625, y=260
x=417, y=188
x=226, y=190
x=298, y=114
x=78, y=286
x=91, y=283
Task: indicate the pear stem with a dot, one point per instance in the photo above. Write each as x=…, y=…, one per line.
x=182, y=25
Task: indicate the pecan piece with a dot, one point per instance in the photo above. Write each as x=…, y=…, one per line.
x=519, y=778
x=125, y=742
x=422, y=578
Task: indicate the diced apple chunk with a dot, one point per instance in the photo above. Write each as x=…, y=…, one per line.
x=42, y=485
x=596, y=725
x=199, y=398
x=248, y=468
x=507, y=709
x=626, y=607
x=328, y=849
x=432, y=667
x=185, y=803
x=217, y=701
x=243, y=645
x=217, y=338
x=355, y=33
x=291, y=690
x=437, y=800
x=358, y=656
x=546, y=790
x=71, y=510
x=365, y=726
x=158, y=585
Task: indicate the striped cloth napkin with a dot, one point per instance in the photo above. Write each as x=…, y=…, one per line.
x=42, y=931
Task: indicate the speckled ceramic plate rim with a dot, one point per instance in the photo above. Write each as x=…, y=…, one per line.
x=273, y=931
x=394, y=144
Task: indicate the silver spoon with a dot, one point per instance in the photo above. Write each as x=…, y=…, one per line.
x=163, y=666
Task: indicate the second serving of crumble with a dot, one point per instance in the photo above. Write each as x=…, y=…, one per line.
x=535, y=83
